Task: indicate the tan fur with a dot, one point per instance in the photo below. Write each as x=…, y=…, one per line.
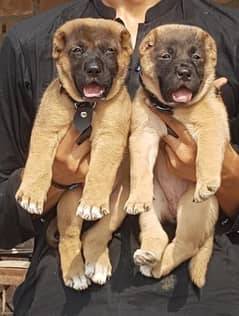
x=111, y=123
x=195, y=221
x=197, y=210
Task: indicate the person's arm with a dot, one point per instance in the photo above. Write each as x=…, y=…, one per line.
x=15, y=125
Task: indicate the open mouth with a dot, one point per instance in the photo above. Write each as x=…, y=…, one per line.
x=93, y=90
x=182, y=95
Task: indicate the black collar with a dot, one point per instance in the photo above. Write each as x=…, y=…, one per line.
x=155, y=102
x=83, y=116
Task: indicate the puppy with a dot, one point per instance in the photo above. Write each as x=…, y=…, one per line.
x=92, y=58
x=178, y=71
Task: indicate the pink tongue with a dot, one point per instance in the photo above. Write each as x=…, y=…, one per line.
x=93, y=90
x=182, y=95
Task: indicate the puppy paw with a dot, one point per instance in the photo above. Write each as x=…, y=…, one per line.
x=92, y=210
x=77, y=282
x=134, y=206
x=205, y=190
x=144, y=258
x=99, y=271
x=31, y=200
x=197, y=276
x=146, y=271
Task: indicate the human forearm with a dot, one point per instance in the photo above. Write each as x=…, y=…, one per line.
x=16, y=225
x=227, y=194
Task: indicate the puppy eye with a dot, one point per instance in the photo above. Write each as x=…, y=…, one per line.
x=165, y=56
x=196, y=56
x=110, y=51
x=77, y=50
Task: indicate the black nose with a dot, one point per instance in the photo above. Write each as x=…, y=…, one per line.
x=93, y=68
x=183, y=73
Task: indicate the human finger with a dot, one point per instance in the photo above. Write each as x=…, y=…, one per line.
x=220, y=82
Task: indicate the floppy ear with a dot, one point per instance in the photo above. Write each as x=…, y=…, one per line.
x=59, y=41
x=147, y=43
x=211, y=47
x=125, y=39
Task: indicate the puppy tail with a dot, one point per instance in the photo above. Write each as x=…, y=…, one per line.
x=199, y=263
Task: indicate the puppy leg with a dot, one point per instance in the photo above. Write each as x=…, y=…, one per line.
x=153, y=237
x=96, y=239
x=143, y=153
x=69, y=226
x=109, y=140
x=146, y=131
x=101, y=175
x=52, y=121
x=37, y=174
x=199, y=263
x=195, y=223
x=210, y=153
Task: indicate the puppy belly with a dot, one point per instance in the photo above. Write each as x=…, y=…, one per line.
x=172, y=187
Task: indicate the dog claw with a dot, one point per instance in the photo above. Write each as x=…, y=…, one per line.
x=33, y=202
x=134, y=208
x=91, y=213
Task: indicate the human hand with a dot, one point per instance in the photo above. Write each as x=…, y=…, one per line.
x=71, y=160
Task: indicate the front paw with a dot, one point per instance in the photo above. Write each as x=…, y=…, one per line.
x=135, y=205
x=92, y=210
x=205, y=190
x=31, y=200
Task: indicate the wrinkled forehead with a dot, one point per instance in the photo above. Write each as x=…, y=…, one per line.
x=92, y=36
x=179, y=39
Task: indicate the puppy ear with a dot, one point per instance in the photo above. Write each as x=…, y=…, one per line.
x=125, y=39
x=211, y=48
x=59, y=42
x=147, y=43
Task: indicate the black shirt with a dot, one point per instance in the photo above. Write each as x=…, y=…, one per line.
x=26, y=68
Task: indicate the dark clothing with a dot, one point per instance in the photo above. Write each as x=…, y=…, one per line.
x=26, y=69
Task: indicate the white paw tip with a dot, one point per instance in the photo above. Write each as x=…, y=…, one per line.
x=84, y=212
x=146, y=271
x=99, y=278
x=95, y=212
x=78, y=282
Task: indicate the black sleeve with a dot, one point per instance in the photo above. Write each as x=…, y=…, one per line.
x=16, y=119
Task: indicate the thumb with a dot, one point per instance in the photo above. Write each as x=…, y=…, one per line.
x=218, y=83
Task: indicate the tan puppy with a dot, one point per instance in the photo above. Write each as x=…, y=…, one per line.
x=92, y=57
x=178, y=71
